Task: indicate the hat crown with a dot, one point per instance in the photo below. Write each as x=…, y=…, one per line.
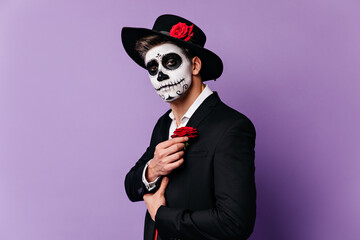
x=165, y=23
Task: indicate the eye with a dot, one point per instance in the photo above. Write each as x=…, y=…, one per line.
x=153, y=70
x=171, y=61
x=152, y=67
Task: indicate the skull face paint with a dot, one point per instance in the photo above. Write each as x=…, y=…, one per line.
x=169, y=70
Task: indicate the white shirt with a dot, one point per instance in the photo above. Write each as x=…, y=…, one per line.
x=183, y=121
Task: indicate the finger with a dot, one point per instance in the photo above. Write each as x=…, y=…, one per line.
x=172, y=141
x=175, y=164
x=174, y=148
x=163, y=185
x=174, y=157
x=163, y=153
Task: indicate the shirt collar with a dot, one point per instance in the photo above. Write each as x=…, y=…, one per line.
x=203, y=95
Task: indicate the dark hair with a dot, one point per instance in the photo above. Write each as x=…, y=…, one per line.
x=146, y=43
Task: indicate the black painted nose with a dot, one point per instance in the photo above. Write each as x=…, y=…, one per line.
x=162, y=76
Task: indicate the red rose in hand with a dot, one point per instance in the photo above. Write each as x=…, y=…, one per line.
x=189, y=132
x=182, y=31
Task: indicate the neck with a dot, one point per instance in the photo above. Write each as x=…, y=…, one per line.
x=182, y=104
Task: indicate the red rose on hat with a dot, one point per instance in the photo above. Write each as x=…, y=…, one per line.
x=182, y=31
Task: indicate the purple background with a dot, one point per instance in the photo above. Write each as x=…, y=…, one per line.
x=76, y=113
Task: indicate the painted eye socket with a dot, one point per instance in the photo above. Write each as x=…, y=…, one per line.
x=152, y=67
x=171, y=61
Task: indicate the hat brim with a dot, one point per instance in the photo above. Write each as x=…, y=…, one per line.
x=211, y=64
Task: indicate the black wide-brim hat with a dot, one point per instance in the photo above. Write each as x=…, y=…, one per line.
x=181, y=32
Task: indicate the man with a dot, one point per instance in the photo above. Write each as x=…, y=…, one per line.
x=206, y=191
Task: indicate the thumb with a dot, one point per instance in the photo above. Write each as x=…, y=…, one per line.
x=163, y=185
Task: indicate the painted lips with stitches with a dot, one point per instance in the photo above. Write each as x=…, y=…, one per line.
x=170, y=84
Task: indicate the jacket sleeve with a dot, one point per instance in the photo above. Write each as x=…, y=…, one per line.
x=134, y=186
x=233, y=216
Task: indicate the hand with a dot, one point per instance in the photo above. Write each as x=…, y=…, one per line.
x=154, y=200
x=167, y=156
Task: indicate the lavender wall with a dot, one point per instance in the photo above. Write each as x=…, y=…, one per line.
x=76, y=113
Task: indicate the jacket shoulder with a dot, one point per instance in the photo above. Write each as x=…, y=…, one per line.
x=228, y=117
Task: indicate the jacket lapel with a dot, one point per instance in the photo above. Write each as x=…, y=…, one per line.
x=164, y=130
x=204, y=109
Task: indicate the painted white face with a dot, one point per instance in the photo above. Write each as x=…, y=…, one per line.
x=169, y=70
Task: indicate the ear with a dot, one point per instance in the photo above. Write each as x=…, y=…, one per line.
x=196, y=65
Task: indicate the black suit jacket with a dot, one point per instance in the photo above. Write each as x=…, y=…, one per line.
x=212, y=195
